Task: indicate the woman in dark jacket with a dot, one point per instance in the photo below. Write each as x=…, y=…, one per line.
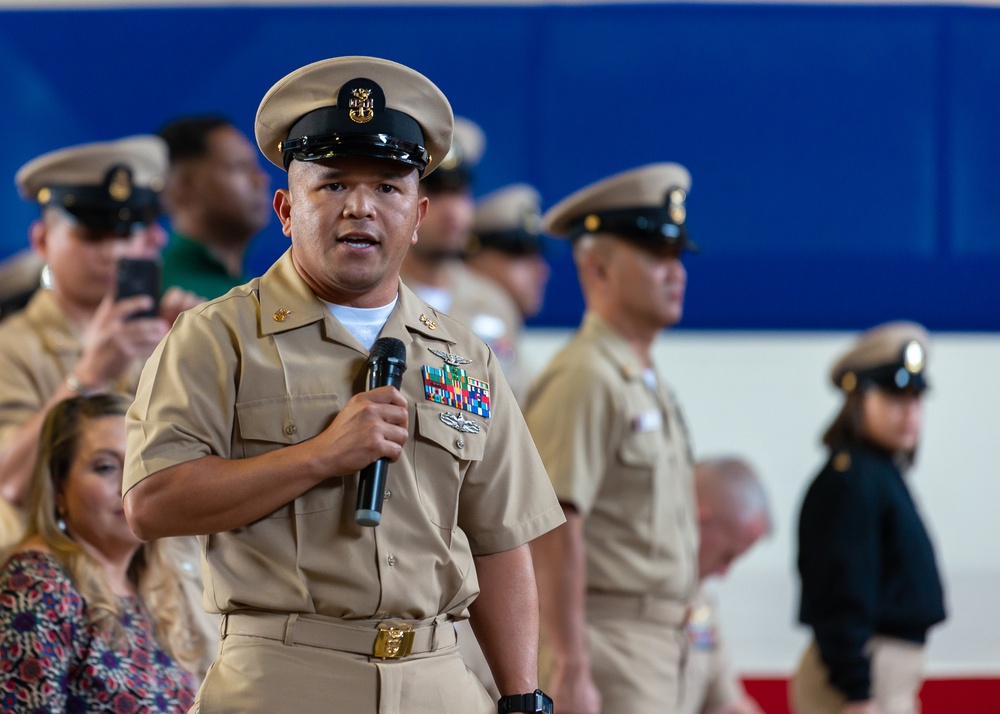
x=870, y=584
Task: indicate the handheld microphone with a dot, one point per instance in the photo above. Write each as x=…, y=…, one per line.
x=386, y=364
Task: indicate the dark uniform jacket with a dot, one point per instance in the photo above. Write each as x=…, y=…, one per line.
x=866, y=562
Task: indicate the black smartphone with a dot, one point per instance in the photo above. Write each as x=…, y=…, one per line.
x=139, y=276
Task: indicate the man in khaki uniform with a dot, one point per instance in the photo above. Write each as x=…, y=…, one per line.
x=99, y=203
x=733, y=514
x=433, y=268
x=251, y=425
x=506, y=247
x=506, y=244
x=616, y=581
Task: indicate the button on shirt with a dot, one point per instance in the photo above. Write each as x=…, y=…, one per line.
x=236, y=374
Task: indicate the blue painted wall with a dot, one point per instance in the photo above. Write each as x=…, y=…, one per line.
x=846, y=160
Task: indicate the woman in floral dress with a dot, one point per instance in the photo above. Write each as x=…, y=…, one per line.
x=91, y=619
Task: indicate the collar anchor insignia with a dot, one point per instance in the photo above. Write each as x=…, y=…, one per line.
x=431, y=325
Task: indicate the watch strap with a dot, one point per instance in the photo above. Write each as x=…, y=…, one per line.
x=537, y=702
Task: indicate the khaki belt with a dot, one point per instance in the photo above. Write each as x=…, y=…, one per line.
x=384, y=639
x=655, y=609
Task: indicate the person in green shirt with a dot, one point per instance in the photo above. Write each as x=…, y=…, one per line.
x=217, y=198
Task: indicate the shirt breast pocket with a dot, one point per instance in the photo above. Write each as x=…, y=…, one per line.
x=640, y=450
x=265, y=425
x=442, y=454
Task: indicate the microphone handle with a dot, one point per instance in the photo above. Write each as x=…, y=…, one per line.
x=371, y=492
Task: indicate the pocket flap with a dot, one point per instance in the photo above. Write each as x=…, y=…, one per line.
x=641, y=449
x=286, y=419
x=459, y=432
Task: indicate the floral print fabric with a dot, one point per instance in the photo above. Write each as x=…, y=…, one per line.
x=52, y=661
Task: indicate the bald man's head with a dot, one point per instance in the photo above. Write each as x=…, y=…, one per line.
x=733, y=512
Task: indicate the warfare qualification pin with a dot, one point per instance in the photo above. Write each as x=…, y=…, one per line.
x=449, y=358
x=457, y=421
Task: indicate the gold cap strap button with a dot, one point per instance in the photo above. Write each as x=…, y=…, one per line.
x=394, y=641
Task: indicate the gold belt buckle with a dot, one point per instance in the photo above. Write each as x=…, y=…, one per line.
x=394, y=640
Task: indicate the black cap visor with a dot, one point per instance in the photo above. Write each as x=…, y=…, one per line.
x=518, y=242
x=650, y=228
x=448, y=179
x=894, y=378
x=375, y=146
x=92, y=208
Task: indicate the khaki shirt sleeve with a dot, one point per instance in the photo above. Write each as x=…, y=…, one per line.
x=506, y=500
x=20, y=393
x=570, y=414
x=184, y=408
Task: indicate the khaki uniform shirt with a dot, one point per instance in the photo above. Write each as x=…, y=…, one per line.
x=484, y=307
x=38, y=349
x=267, y=366
x=709, y=681
x=619, y=452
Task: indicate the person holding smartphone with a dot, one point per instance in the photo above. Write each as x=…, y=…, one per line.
x=78, y=336
x=98, y=204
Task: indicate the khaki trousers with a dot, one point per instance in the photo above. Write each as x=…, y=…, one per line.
x=897, y=673
x=261, y=674
x=474, y=658
x=637, y=650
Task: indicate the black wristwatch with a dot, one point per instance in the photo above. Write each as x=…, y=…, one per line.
x=538, y=702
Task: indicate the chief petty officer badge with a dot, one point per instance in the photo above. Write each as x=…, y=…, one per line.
x=450, y=385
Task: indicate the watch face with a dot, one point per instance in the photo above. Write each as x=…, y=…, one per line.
x=544, y=702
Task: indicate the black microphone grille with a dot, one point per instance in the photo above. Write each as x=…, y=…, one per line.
x=388, y=348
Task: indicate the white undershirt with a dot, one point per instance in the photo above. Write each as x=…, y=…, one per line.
x=363, y=322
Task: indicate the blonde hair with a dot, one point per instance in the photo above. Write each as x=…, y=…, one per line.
x=154, y=576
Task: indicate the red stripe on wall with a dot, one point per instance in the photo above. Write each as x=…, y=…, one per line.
x=938, y=696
